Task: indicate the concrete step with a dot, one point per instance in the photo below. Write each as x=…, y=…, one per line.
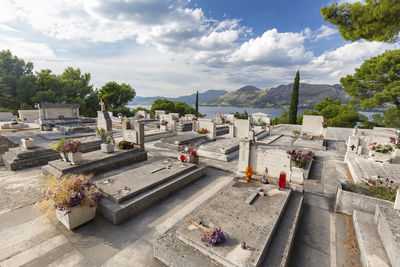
x=387, y=221
x=371, y=247
x=119, y=212
x=281, y=244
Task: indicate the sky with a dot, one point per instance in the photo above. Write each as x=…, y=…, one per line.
x=171, y=48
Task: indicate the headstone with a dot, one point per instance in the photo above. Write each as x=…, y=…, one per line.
x=189, y=117
x=158, y=113
x=143, y=114
x=104, y=121
x=135, y=135
x=28, y=115
x=242, y=128
x=6, y=116
x=209, y=125
x=312, y=125
x=58, y=114
x=244, y=155
x=229, y=118
x=261, y=118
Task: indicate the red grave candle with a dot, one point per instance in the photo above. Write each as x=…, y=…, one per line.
x=282, y=180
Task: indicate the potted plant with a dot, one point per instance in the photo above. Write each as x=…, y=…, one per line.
x=73, y=198
x=124, y=145
x=298, y=160
x=380, y=152
x=73, y=150
x=57, y=147
x=28, y=143
x=188, y=153
x=108, y=140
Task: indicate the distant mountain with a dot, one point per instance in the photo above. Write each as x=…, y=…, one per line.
x=251, y=96
x=189, y=99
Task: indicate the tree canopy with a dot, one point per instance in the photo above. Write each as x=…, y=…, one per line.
x=376, y=82
x=372, y=20
x=172, y=107
x=116, y=95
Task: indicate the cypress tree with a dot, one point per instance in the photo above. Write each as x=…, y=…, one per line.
x=197, y=103
x=294, y=101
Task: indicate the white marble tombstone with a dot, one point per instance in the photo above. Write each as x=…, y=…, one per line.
x=312, y=125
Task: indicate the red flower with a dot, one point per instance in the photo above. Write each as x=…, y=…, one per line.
x=182, y=157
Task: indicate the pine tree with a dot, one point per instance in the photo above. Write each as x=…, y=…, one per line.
x=197, y=103
x=294, y=101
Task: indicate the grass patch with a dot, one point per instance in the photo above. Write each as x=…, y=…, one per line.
x=382, y=189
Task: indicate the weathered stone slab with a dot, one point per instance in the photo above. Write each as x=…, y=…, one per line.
x=253, y=224
x=315, y=143
x=387, y=220
x=95, y=162
x=125, y=185
x=6, y=116
x=223, y=146
x=187, y=138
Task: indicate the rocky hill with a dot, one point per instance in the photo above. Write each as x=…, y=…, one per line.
x=251, y=96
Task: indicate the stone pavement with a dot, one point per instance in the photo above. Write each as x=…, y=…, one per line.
x=28, y=238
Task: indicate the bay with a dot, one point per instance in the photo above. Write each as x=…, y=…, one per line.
x=209, y=111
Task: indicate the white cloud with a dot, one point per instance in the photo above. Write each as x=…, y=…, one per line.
x=273, y=49
x=324, y=32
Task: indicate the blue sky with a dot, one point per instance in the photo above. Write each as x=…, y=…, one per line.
x=175, y=47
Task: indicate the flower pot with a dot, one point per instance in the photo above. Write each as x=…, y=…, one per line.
x=188, y=158
x=196, y=160
x=396, y=153
x=28, y=143
x=77, y=216
x=64, y=156
x=75, y=157
x=107, y=148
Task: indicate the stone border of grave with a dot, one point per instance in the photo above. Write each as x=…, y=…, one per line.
x=347, y=202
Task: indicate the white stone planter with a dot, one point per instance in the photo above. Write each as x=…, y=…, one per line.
x=78, y=216
x=28, y=143
x=189, y=158
x=107, y=148
x=396, y=153
x=75, y=158
x=297, y=175
x=163, y=128
x=381, y=157
x=64, y=156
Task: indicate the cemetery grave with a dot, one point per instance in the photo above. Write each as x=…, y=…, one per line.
x=248, y=229
x=137, y=187
x=313, y=134
x=223, y=149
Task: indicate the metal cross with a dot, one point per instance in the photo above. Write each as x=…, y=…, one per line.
x=352, y=147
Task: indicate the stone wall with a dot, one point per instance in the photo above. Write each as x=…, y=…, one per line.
x=28, y=115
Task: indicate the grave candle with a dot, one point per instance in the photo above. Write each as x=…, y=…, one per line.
x=282, y=179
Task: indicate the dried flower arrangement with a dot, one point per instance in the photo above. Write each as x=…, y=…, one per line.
x=395, y=141
x=57, y=146
x=71, y=146
x=69, y=191
x=211, y=236
x=299, y=158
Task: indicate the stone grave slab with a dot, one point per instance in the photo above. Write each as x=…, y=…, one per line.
x=370, y=169
x=95, y=162
x=187, y=138
x=224, y=149
x=253, y=224
x=315, y=143
x=135, y=188
x=155, y=134
x=141, y=179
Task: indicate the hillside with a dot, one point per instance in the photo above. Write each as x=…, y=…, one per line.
x=251, y=96
x=189, y=99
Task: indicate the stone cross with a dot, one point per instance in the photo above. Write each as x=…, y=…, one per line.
x=352, y=147
x=102, y=105
x=254, y=194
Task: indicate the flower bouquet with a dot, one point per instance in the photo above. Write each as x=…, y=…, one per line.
x=380, y=148
x=57, y=147
x=324, y=123
x=395, y=141
x=203, y=131
x=73, y=197
x=189, y=154
x=211, y=236
x=299, y=158
x=124, y=145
